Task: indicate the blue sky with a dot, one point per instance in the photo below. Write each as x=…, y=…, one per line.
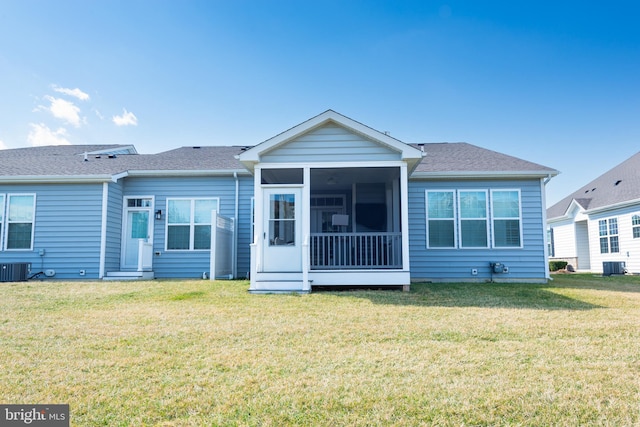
x=557, y=83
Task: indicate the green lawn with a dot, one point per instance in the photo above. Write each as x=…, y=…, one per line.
x=208, y=353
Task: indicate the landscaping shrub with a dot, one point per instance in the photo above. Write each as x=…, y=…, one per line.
x=557, y=265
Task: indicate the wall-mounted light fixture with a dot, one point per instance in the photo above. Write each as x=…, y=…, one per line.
x=159, y=214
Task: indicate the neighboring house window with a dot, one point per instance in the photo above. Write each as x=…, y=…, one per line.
x=473, y=219
x=189, y=223
x=550, y=243
x=506, y=218
x=441, y=223
x=608, y=230
x=19, y=221
x=635, y=223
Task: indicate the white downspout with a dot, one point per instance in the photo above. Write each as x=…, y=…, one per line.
x=234, y=255
x=103, y=230
x=543, y=195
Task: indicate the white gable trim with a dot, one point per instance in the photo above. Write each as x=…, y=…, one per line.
x=252, y=156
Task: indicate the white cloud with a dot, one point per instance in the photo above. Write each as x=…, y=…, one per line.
x=40, y=135
x=62, y=109
x=3, y=146
x=77, y=93
x=126, y=119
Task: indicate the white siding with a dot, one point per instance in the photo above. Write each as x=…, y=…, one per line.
x=582, y=245
x=564, y=240
x=330, y=143
x=629, y=247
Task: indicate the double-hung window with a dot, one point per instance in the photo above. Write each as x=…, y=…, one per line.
x=17, y=220
x=506, y=214
x=474, y=227
x=635, y=224
x=608, y=230
x=474, y=219
x=441, y=219
x=189, y=223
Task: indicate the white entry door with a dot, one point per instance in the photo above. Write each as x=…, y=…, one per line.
x=282, y=248
x=137, y=227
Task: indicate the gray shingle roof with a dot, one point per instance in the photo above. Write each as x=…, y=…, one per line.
x=463, y=157
x=618, y=185
x=66, y=161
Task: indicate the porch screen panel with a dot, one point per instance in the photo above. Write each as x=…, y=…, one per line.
x=441, y=219
x=282, y=221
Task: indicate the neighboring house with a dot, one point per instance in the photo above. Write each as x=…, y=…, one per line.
x=327, y=202
x=599, y=224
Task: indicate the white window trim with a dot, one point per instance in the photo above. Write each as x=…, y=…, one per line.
x=608, y=236
x=493, y=217
x=486, y=219
x=454, y=219
x=5, y=229
x=634, y=226
x=489, y=218
x=2, y=222
x=192, y=223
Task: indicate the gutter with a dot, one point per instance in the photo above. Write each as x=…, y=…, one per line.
x=200, y=172
x=483, y=174
x=93, y=179
x=56, y=179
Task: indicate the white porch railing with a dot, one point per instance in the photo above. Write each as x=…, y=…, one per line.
x=343, y=251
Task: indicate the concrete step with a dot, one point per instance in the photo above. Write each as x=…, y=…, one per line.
x=129, y=275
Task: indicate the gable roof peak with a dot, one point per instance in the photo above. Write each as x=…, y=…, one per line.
x=252, y=156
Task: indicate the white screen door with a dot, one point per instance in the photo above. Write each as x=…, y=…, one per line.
x=282, y=250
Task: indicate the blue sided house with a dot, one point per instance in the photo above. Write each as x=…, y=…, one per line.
x=329, y=202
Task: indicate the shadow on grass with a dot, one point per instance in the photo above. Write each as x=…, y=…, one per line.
x=493, y=295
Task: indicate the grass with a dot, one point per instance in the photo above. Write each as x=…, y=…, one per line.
x=193, y=353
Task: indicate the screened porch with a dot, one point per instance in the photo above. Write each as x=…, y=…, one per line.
x=355, y=218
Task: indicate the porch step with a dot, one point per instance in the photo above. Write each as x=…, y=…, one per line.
x=277, y=287
x=129, y=275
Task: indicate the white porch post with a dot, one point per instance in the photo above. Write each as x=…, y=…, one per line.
x=256, y=251
x=306, y=227
x=404, y=200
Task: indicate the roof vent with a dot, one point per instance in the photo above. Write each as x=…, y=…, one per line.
x=618, y=182
x=86, y=157
x=112, y=156
x=196, y=148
